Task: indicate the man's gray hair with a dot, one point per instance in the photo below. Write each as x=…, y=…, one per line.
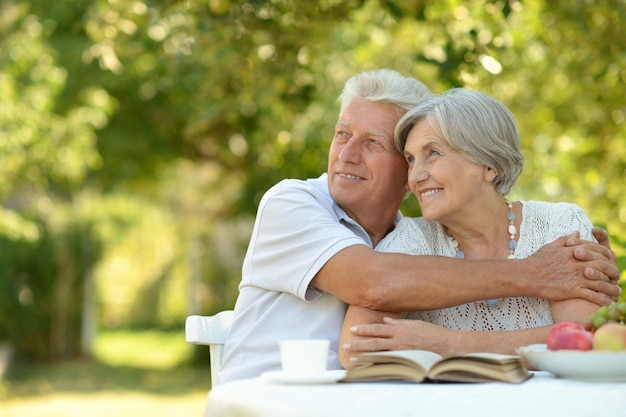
x=385, y=86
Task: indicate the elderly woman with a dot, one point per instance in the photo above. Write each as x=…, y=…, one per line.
x=463, y=151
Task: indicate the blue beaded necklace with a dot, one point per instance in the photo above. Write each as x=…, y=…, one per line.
x=510, y=215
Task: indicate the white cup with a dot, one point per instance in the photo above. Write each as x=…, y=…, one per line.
x=304, y=357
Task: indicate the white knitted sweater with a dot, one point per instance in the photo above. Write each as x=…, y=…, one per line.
x=542, y=223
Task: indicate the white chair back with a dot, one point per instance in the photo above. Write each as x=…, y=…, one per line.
x=210, y=331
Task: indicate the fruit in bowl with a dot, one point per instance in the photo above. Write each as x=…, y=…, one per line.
x=606, y=330
x=569, y=335
x=613, y=313
x=611, y=336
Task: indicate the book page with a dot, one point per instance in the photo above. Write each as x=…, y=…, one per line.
x=473, y=367
x=423, y=358
x=411, y=365
x=485, y=357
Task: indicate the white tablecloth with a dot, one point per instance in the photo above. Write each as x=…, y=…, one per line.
x=542, y=395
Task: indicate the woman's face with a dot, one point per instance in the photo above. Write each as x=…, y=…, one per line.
x=447, y=185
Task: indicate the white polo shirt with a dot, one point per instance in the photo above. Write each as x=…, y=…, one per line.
x=298, y=228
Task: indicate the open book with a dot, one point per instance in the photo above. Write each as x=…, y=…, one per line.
x=420, y=365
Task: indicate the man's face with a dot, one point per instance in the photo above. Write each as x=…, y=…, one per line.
x=367, y=176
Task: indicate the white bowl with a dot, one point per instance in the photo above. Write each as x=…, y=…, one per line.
x=590, y=365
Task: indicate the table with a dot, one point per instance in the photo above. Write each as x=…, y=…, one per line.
x=541, y=395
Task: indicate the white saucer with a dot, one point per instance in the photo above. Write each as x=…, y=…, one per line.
x=281, y=377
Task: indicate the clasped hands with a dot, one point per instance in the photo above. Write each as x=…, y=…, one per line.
x=597, y=283
x=600, y=272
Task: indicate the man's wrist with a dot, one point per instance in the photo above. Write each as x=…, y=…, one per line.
x=521, y=282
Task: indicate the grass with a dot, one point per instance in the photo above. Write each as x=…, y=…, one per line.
x=132, y=374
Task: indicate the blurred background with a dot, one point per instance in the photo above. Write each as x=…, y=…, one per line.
x=137, y=137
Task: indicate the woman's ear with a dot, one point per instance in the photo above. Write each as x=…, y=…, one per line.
x=490, y=174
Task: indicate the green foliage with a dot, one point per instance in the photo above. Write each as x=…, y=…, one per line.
x=41, y=293
x=25, y=295
x=136, y=349
x=141, y=242
x=151, y=128
x=40, y=146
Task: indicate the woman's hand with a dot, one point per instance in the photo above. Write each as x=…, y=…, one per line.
x=400, y=334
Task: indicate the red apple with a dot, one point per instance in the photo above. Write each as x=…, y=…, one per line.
x=568, y=335
x=567, y=324
x=562, y=325
x=610, y=336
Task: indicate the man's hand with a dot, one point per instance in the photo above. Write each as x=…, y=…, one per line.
x=602, y=248
x=573, y=268
x=603, y=239
x=587, y=251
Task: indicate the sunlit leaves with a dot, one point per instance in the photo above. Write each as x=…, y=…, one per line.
x=200, y=106
x=38, y=145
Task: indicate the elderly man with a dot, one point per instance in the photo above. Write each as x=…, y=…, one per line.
x=313, y=247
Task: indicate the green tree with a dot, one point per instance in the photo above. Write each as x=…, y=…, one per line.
x=128, y=117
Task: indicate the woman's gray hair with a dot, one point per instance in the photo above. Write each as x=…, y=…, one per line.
x=475, y=124
x=385, y=86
